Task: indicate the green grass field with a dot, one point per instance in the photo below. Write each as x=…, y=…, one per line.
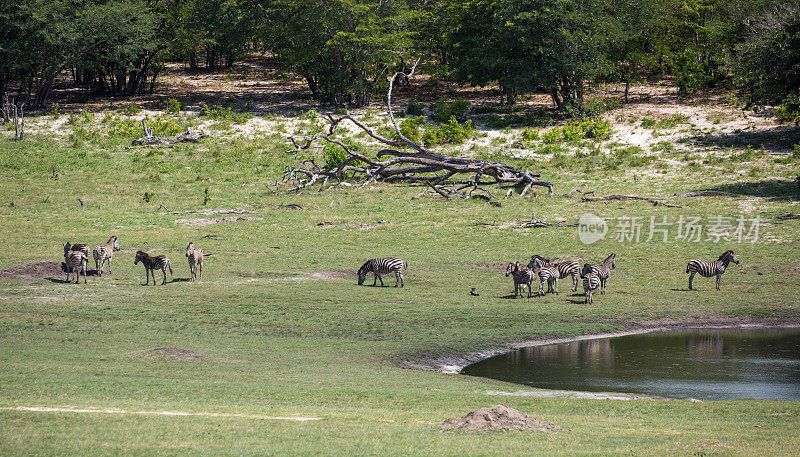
x=285, y=331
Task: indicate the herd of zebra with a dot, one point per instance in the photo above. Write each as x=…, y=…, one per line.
x=593, y=276
x=76, y=258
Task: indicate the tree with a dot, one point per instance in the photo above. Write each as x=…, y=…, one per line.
x=526, y=45
x=341, y=47
x=767, y=63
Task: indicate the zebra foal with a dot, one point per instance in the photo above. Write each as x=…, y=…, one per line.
x=382, y=267
x=522, y=277
x=195, y=257
x=160, y=262
x=566, y=268
x=709, y=269
x=103, y=253
x=549, y=275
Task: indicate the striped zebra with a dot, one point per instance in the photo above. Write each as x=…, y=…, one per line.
x=590, y=282
x=566, y=268
x=195, y=257
x=709, y=269
x=382, y=267
x=548, y=274
x=76, y=260
x=103, y=253
x=522, y=277
x=84, y=248
x=151, y=264
x=603, y=271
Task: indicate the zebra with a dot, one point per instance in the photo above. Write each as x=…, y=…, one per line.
x=522, y=277
x=603, y=271
x=151, y=264
x=84, y=248
x=547, y=274
x=103, y=253
x=566, y=268
x=590, y=282
x=708, y=269
x=383, y=266
x=195, y=257
x=76, y=260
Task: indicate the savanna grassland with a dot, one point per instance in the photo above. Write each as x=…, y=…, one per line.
x=278, y=326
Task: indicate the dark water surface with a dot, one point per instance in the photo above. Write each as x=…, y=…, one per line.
x=716, y=364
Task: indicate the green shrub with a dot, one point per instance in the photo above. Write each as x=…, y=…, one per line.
x=796, y=151
x=224, y=114
x=443, y=111
x=334, y=155
x=410, y=128
x=640, y=161
x=648, y=123
x=456, y=133
x=173, y=106
x=590, y=128
x=528, y=134
x=130, y=109
x=672, y=121
x=596, y=106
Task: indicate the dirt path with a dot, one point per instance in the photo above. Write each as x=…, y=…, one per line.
x=47, y=409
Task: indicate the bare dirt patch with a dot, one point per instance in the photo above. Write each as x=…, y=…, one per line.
x=499, y=417
x=172, y=353
x=35, y=270
x=199, y=222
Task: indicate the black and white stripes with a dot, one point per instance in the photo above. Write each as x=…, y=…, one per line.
x=590, y=282
x=709, y=269
x=603, y=271
x=381, y=267
x=522, y=277
x=160, y=262
x=103, y=253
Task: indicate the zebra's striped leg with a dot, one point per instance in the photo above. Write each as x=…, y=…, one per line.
x=163, y=270
x=396, y=278
x=84, y=274
x=200, y=267
x=718, y=278
x=574, y=283
x=602, y=287
x=555, y=285
x=109, y=265
x=691, y=277
x=530, y=292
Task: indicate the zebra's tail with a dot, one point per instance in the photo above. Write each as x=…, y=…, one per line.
x=687, y=267
x=405, y=265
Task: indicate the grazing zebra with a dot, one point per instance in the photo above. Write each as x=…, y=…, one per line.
x=195, y=257
x=151, y=264
x=709, y=269
x=548, y=274
x=383, y=266
x=522, y=277
x=590, y=282
x=566, y=268
x=76, y=260
x=103, y=253
x=603, y=271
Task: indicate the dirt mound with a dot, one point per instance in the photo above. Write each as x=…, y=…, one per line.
x=496, y=418
x=35, y=270
x=205, y=221
x=173, y=354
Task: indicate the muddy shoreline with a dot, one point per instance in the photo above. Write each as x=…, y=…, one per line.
x=453, y=364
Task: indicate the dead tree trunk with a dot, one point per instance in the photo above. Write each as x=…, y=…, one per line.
x=392, y=164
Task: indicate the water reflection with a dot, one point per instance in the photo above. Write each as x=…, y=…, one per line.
x=709, y=364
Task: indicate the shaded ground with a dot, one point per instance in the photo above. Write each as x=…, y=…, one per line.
x=39, y=270
x=499, y=417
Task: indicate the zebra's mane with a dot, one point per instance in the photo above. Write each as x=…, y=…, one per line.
x=727, y=253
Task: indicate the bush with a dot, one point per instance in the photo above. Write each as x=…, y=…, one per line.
x=672, y=121
x=224, y=114
x=593, y=128
x=410, y=128
x=789, y=110
x=596, y=106
x=334, y=155
x=173, y=106
x=443, y=111
x=648, y=123
x=690, y=71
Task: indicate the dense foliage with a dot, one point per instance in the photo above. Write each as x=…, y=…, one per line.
x=344, y=49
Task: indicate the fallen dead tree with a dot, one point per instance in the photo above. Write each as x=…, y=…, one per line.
x=589, y=197
x=186, y=137
x=393, y=164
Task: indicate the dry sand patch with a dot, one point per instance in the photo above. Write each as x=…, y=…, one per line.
x=499, y=417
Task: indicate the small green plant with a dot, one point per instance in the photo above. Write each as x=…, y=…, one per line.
x=796, y=151
x=648, y=123
x=672, y=121
x=129, y=109
x=206, y=197
x=528, y=135
x=224, y=114
x=54, y=110
x=173, y=106
x=148, y=196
